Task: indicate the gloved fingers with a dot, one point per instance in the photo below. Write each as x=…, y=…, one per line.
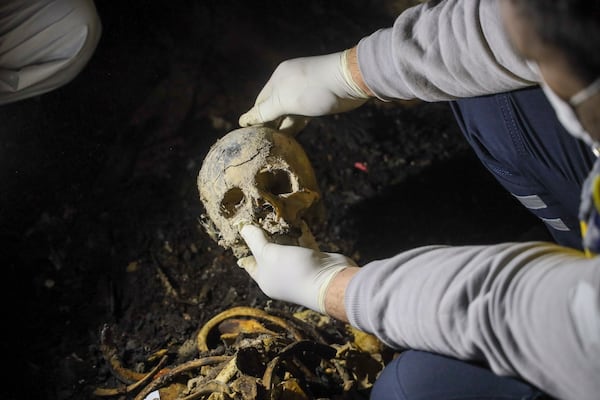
x=251, y=117
x=269, y=110
x=266, y=91
x=290, y=125
x=255, y=116
x=293, y=124
x=255, y=238
x=250, y=265
x=261, y=113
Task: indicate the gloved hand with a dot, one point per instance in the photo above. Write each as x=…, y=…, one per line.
x=305, y=87
x=290, y=273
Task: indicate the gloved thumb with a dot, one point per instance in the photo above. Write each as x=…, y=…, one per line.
x=255, y=238
x=249, y=264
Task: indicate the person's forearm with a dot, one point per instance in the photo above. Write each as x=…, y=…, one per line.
x=527, y=309
x=334, y=296
x=443, y=50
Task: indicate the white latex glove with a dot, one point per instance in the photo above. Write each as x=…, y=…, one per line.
x=290, y=273
x=305, y=87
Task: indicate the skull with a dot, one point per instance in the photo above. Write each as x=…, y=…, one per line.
x=263, y=176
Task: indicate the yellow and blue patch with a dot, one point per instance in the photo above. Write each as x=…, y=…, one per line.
x=589, y=211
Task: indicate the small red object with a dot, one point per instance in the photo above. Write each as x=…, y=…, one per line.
x=361, y=166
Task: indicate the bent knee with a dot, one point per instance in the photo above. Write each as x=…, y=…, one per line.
x=422, y=375
x=47, y=44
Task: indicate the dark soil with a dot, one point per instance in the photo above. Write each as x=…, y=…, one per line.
x=99, y=205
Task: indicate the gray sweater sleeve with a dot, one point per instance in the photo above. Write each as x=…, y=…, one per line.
x=443, y=50
x=527, y=309
x=531, y=309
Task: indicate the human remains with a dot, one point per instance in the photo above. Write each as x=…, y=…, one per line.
x=263, y=176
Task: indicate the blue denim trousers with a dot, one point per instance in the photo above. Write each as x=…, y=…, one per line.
x=518, y=138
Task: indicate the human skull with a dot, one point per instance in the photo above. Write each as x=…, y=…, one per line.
x=263, y=176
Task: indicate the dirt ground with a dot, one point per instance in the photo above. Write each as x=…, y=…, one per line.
x=99, y=206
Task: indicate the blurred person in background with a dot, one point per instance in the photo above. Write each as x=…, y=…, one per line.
x=44, y=44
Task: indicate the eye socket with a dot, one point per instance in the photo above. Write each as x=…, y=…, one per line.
x=232, y=199
x=276, y=182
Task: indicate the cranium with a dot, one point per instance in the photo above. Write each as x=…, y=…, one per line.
x=263, y=176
